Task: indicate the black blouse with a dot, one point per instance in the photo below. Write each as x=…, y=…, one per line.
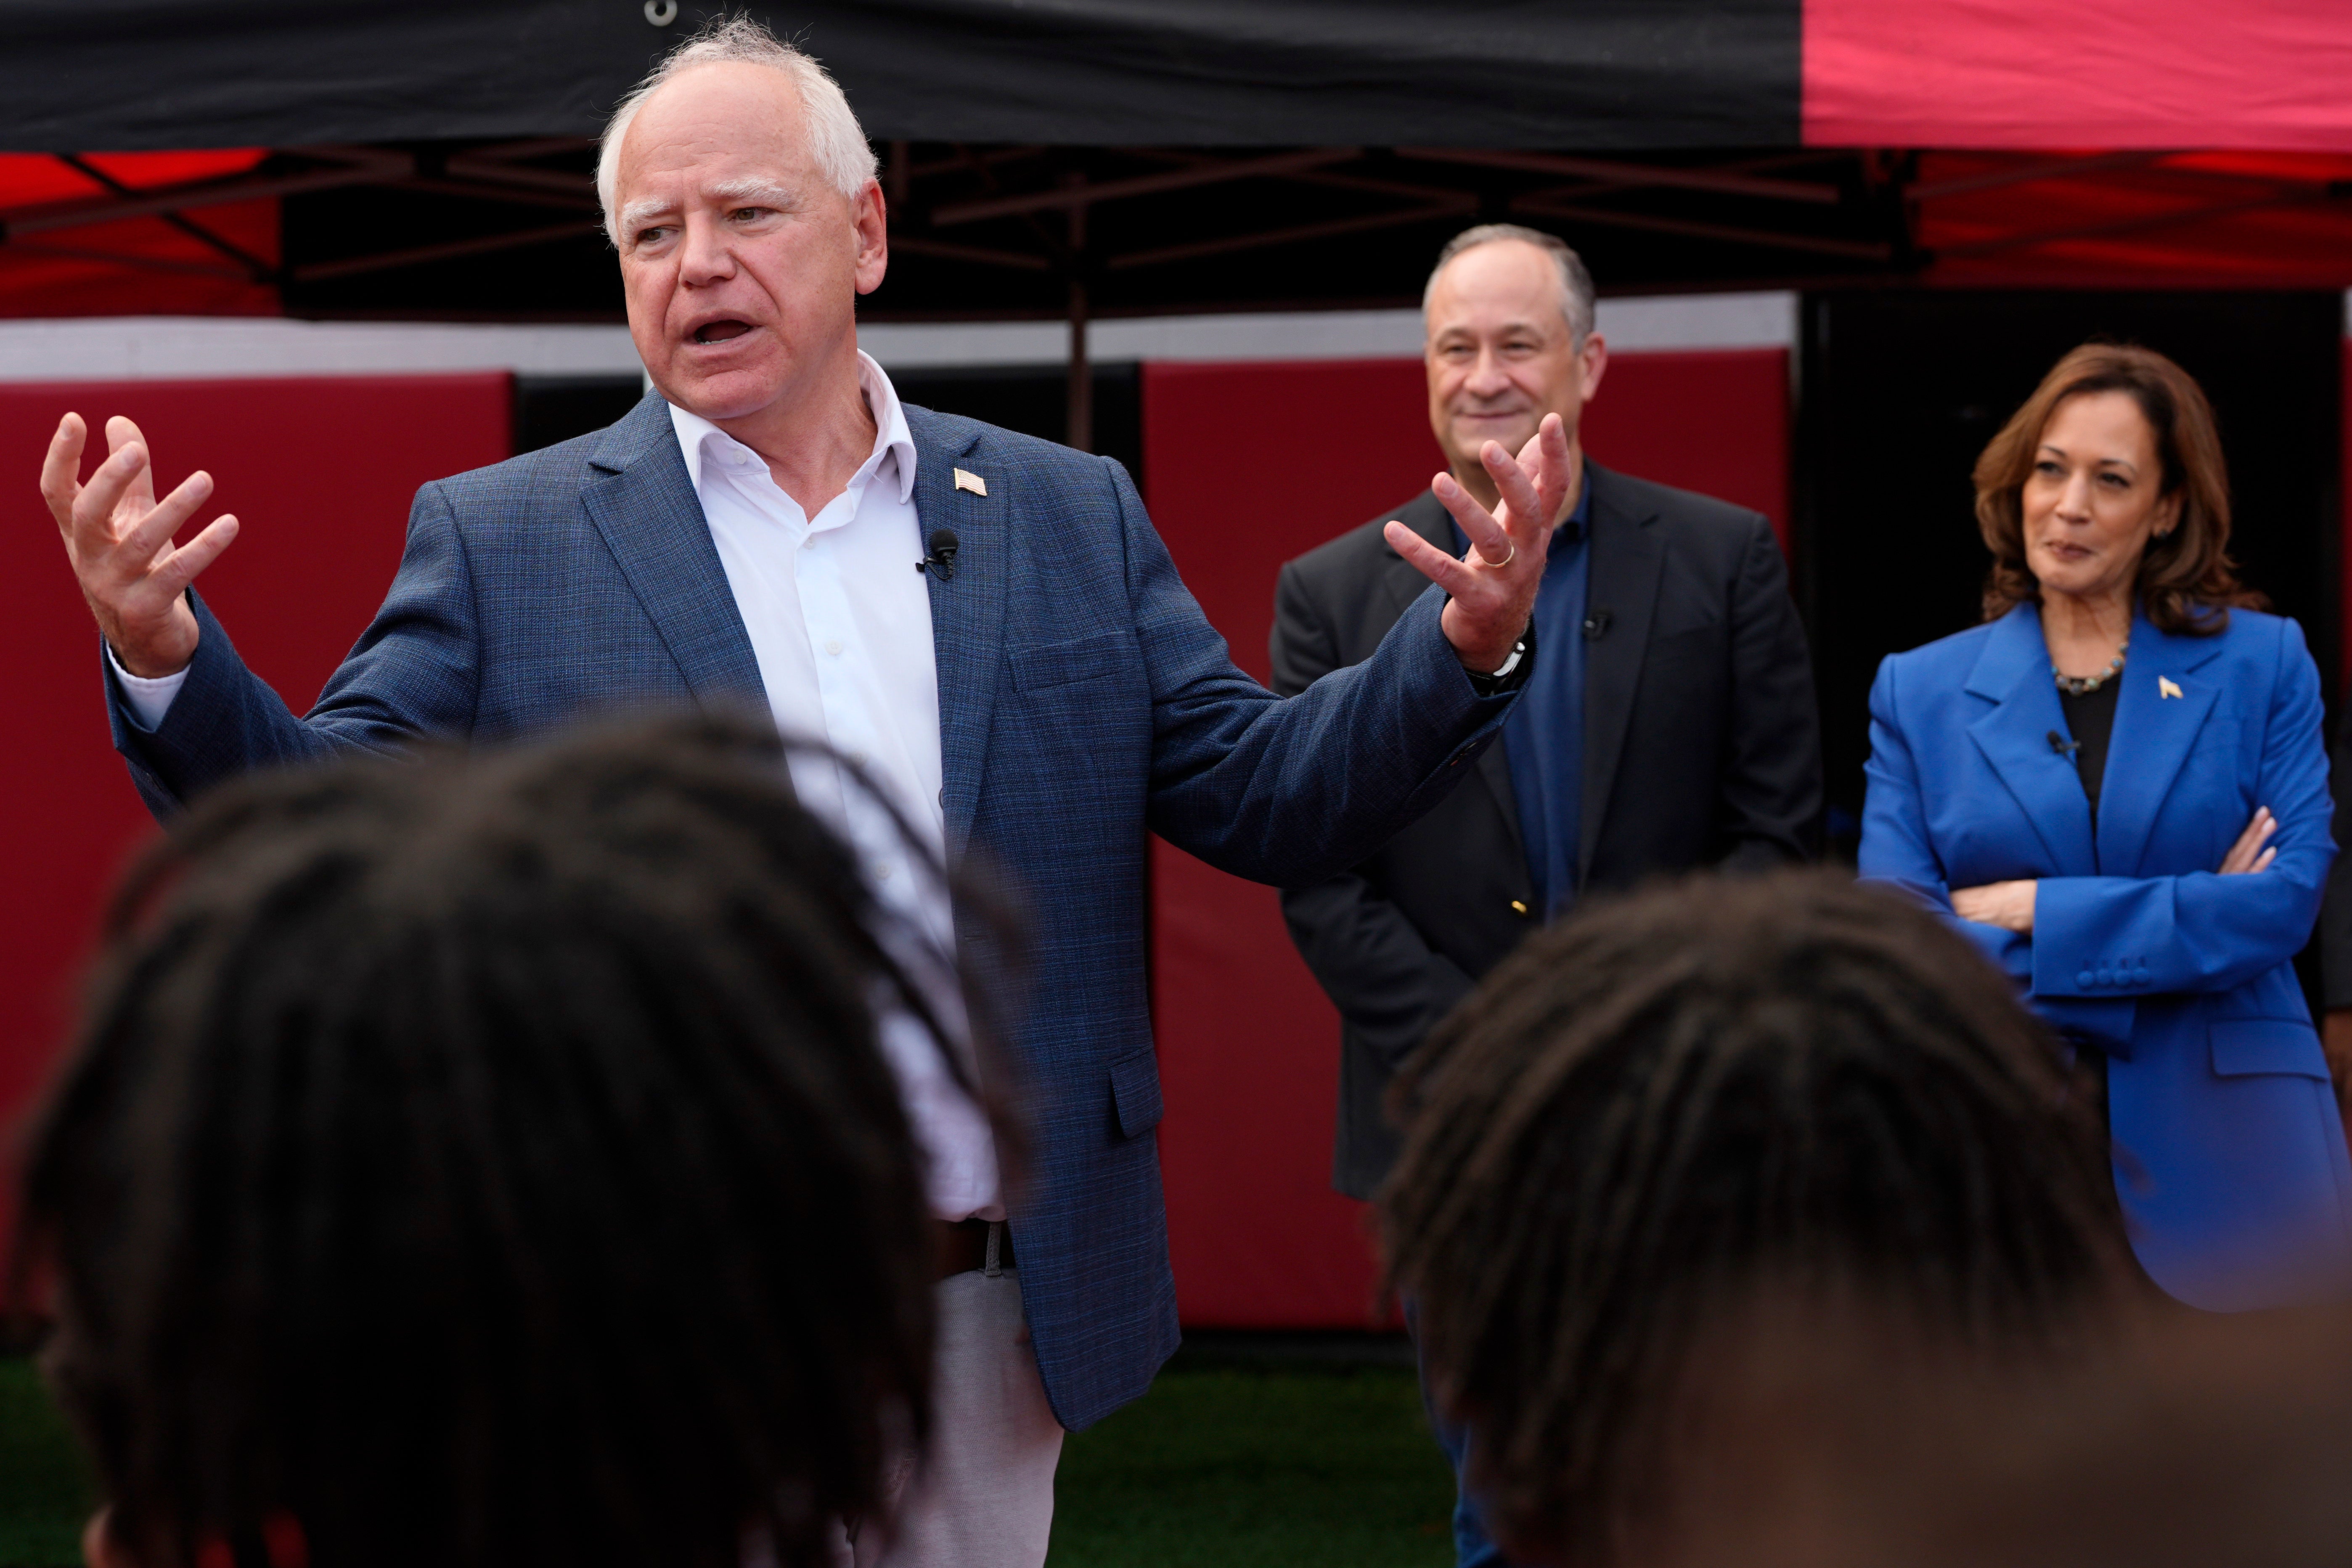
x=2090, y=721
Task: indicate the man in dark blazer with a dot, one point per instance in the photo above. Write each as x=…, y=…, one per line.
x=1670, y=724
x=987, y=621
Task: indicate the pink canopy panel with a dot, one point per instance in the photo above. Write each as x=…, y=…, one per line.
x=2022, y=73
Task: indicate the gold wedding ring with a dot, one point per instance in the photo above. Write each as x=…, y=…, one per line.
x=1505, y=561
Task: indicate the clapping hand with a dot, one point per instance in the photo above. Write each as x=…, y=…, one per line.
x=119, y=539
x=1492, y=585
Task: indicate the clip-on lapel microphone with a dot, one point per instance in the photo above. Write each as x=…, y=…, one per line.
x=940, y=562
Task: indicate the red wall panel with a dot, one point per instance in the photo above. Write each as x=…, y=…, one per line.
x=320, y=473
x=1241, y=481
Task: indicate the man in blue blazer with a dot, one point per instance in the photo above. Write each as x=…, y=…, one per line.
x=772, y=527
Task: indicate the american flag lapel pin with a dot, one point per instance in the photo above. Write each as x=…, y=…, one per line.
x=965, y=479
x=2165, y=688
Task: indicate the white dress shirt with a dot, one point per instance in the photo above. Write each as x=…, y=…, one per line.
x=840, y=622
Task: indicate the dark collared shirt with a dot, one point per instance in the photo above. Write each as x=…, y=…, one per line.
x=1543, y=740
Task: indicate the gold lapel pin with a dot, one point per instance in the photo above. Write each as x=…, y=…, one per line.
x=2164, y=687
x=965, y=479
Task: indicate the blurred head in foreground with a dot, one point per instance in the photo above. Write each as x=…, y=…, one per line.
x=1685, y=1112
x=2202, y=1439
x=489, y=1162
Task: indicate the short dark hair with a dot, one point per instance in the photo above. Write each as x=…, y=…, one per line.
x=491, y=1162
x=1677, y=1101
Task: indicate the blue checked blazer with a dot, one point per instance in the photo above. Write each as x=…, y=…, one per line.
x=1084, y=699
x=2230, y=1152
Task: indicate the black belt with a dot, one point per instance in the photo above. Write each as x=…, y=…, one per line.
x=960, y=1246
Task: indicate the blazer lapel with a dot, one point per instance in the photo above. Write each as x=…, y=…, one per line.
x=1427, y=516
x=2153, y=733
x=640, y=497
x=1626, y=557
x=968, y=609
x=2013, y=672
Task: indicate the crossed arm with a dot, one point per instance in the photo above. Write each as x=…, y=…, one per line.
x=2196, y=931
x=2010, y=905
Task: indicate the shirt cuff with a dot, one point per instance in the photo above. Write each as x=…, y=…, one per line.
x=149, y=700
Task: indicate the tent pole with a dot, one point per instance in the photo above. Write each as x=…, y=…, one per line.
x=1081, y=430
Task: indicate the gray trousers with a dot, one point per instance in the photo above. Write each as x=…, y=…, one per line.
x=981, y=1493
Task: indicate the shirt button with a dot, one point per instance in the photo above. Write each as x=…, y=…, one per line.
x=857, y=759
x=882, y=873
x=834, y=648
x=2085, y=980
x=2106, y=977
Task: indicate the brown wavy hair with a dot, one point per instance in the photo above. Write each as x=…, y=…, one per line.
x=2187, y=582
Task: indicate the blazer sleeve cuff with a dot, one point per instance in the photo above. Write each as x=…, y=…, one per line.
x=168, y=762
x=2098, y=938
x=1439, y=677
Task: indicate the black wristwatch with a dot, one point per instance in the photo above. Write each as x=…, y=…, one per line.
x=1513, y=673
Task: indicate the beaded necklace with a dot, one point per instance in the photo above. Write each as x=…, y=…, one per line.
x=2083, y=685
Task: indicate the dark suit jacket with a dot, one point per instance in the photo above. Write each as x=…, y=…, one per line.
x=1084, y=699
x=1701, y=747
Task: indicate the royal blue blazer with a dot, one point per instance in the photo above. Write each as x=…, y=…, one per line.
x=1085, y=703
x=2229, y=1151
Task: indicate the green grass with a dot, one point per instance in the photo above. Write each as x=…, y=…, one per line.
x=44, y=1493
x=1233, y=1468
x=1219, y=1466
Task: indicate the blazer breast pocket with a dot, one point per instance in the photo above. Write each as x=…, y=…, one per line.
x=1042, y=666
x=2246, y=1046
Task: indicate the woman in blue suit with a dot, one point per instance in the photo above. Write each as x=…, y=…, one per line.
x=2118, y=786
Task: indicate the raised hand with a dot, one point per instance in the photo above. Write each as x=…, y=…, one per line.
x=119, y=539
x=2247, y=855
x=1494, y=585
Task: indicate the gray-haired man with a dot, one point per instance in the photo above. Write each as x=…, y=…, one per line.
x=772, y=527
x=1671, y=724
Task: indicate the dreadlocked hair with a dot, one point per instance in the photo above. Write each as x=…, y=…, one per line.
x=490, y=1162
x=1675, y=1104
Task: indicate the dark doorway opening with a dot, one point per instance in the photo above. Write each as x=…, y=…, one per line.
x=1900, y=391
x=1035, y=401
